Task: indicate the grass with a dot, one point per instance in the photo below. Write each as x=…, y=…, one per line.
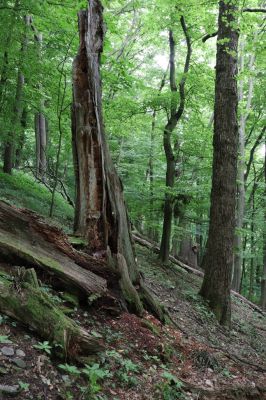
x=22, y=190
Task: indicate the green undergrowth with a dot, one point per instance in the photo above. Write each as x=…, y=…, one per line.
x=22, y=190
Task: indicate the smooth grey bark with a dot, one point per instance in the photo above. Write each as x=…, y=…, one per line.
x=218, y=259
x=40, y=125
x=241, y=178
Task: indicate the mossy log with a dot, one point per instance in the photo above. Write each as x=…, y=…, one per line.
x=34, y=308
x=25, y=239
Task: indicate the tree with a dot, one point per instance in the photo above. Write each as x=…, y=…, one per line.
x=218, y=259
x=263, y=282
x=176, y=113
x=100, y=212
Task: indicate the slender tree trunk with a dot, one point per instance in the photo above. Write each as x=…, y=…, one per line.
x=10, y=144
x=252, y=248
x=263, y=281
x=21, y=141
x=9, y=150
x=241, y=179
x=170, y=152
x=40, y=126
x=152, y=230
x=5, y=69
x=218, y=259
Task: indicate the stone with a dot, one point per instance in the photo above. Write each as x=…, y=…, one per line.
x=7, y=351
x=19, y=363
x=20, y=353
x=9, y=389
x=3, y=370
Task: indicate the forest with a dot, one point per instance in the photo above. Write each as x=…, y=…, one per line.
x=132, y=200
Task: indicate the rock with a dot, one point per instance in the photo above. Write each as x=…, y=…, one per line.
x=20, y=353
x=209, y=383
x=19, y=363
x=7, y=351
x=3, y=370
x=8, y=389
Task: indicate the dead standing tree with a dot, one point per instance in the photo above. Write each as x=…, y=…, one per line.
x=100, y=212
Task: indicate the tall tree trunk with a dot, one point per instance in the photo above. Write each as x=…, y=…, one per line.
x=263, y=281
x=9, y=150
x=241, y=179
x=150, y=171
x=170, y=152
x=40, y=125
x=5, y=69
x=21, y=141
x=218, y=259
x=100, y=212
x=252, y=245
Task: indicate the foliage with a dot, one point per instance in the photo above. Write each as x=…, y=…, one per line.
x=134, y=61
x=45, y=346
x=5, y=339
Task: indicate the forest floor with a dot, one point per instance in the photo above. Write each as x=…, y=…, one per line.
x=194, y=359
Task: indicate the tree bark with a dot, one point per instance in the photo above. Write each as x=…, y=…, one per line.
x=241, y=178
x=9, y=150
x=100, y=212
x=263, y=281
x=218, y=259
x=40, y=124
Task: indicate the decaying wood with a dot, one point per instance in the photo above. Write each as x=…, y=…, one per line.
x=100, y=212
x=26, y=239
x=31, y=306
x=155, y=248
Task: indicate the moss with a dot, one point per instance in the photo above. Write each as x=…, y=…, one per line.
x=24, y=252
x=151, y=327
x=78, y=241
x=70, y=298
x=131, y=296
x=22, y=190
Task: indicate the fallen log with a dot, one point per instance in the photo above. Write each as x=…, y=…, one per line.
x=24, y=301
x=155, y=248
x=25, y=239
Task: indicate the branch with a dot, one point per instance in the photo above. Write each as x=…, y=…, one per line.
x=251, y=155
x=259, y=10
x=186, y=68
x=209, y=35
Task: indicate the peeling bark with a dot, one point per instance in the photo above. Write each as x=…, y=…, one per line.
x=100, y=212
x=26, y=239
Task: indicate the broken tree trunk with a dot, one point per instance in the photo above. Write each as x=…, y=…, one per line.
x=27, y=240
x=100, y=213
x=24, y=301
